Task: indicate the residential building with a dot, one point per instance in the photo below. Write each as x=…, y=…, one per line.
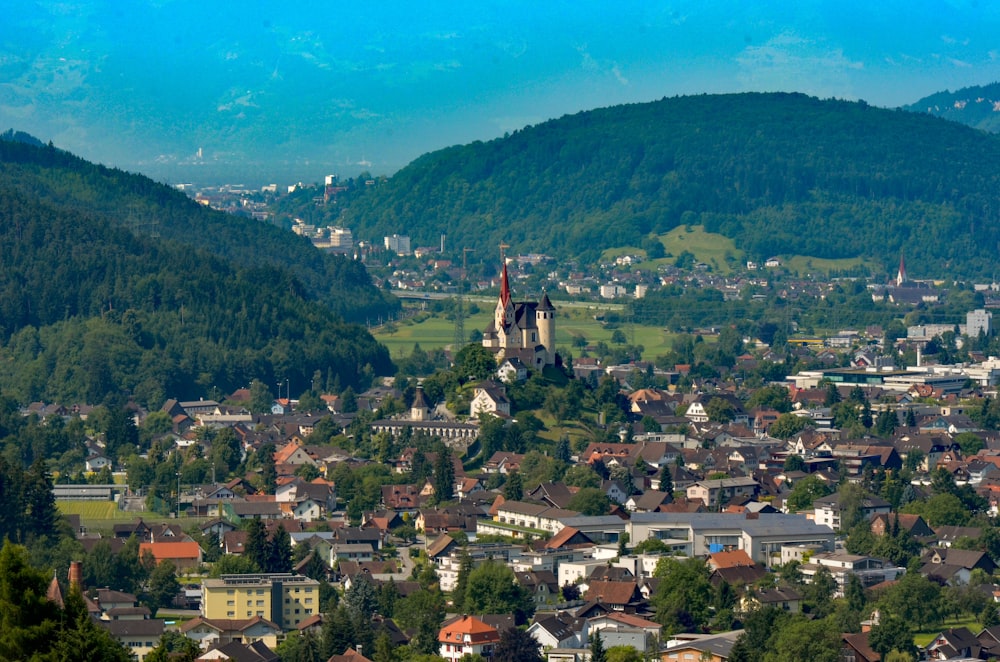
x=467, y=635
x=283, y=599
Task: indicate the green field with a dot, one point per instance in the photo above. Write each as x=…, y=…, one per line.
x=708, y=247
x=572, y=320
x=98, y=511
x=803, y=264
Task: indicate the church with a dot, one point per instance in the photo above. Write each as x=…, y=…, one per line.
x=522, y=330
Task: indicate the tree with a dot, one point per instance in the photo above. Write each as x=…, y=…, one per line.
x=624, y=654
x=174, y=647
x=261, y=398
x=803, y=639
x=513, y=489
x=256, y=548
x=40, y=514
x=444, y=476
x=163, y=586
x=720, y=410
x=81, y=639
x=361, y=599
x=667, y=480
x=597, y=652
x=581, y=475
x=493, y=589
x=682, y=600
x=590, y=501
x=461, y=582
x=516, y=645
x=279, y=551
x=787, y=426
x=805, y=491
x=891, y=633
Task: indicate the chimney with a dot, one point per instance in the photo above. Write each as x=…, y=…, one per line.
x=76, y=575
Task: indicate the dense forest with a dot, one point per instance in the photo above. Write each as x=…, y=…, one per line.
x=65, y=183
x=778, y=173
x=90, y=308
x=975, y=106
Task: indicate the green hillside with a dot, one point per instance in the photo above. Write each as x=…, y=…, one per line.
x=66, y=183
x=778, y=174
x=90, y=309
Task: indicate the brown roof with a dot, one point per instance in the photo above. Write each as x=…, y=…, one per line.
x=613, y=593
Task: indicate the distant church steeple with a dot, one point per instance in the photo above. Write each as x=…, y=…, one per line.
x=901, y=274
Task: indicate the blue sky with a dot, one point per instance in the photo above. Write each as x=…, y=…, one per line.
x=280, y=91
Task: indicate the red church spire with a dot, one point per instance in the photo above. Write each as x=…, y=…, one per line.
x=504, y=283
x=901, y=275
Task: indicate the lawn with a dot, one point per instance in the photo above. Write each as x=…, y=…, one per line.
x=709, y=247
x=573, y=320
x=803, y=264
x=925, y=637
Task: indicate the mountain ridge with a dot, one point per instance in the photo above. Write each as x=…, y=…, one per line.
x=778, y=173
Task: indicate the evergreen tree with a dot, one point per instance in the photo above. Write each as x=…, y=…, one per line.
x=256, y=548
x=562, y=451
x=279, y=551
x=667, y=481
x=82, y=640
x=461, y=582
x=597, y=652
x=361, y=599
x=40, y=515
x=516, y=645
x=269, y=473
x=444, y=476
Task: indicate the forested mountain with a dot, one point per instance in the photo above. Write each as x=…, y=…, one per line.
x=778, y=173
x=89, y=308
x=977, y=106
x=65, y=182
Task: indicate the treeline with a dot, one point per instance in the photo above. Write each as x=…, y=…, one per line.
x=778, y=173
x=64, y=183
x=89, y=309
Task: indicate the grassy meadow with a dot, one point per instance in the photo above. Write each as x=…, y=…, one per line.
x=573, y=320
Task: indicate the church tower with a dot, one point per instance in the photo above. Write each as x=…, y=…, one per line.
x=545, y=320
x=901, y=274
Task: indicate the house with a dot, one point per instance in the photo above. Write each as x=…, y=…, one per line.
x=350, y=655
x=542, y=584
x=714, y=493
x=559, y=630
x=467, y=635
x=512, y=370
x=828, y=509
x=184, y=555
x=490, y=398
x=704, y=648
x=214, y=632
x=783, y=598
x=240, y=652
x=954, y=566
x=954, y=643
x=620, y=596
x=913, y=524
x=140, y=637
x=855, y=647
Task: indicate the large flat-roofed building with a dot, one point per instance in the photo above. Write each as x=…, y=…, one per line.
x=283, y=599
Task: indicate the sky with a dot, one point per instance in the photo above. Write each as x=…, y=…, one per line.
x=259, y=92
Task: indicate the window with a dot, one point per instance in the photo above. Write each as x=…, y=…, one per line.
x=260, y=603
x=230, y=603
x=231, y=592
x=230, y=614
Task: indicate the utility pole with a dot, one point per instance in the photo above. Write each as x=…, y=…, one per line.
x=460, y=338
